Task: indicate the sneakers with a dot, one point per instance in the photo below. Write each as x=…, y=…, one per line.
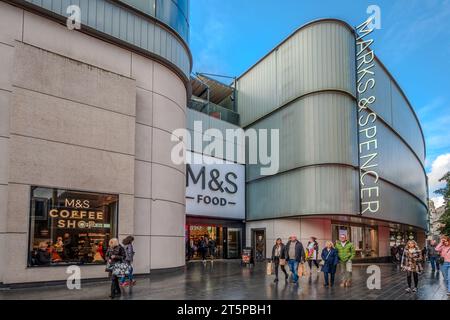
x=408, y=290
x=414, y=290
x=448, y=293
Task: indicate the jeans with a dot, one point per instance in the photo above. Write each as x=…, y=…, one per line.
x=293, y=265
x=346, y=270
x=434, y=263
x=446, y=272
x=325, y=274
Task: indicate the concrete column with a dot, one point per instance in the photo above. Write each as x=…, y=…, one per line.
x=11, y=19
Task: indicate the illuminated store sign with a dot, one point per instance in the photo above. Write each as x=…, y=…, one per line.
x=77, y=214
x=216, y=190
x=367, y=129
x=70, y=226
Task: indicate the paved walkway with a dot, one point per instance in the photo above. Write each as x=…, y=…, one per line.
x=228, y=280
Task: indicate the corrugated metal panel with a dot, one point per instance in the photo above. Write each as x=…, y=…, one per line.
x=318, y=57
x=212, y=123
x=399, y=206
x=392, y=107
x=111, y=19
x=397, y=163
x=318, y=128
x=405, y=123
x=311, y=190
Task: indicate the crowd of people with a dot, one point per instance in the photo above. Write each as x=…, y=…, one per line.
x=342, y=252
x=294, y=255
x=203, y=248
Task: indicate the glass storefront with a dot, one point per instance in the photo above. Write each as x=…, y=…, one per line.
x=364, y=238
x=400, y=237
x=226, y=241
x=70, y=226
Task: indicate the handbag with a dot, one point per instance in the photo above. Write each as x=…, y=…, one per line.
x=322, y=262
x=121, y=269
x=269, y=268
x=282, y=262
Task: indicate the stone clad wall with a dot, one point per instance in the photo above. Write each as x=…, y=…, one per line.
x=79, y=113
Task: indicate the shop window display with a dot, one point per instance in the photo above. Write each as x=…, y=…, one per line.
x=70, y=227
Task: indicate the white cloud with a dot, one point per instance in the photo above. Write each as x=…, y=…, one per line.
x=438, y=201
x=440, y=166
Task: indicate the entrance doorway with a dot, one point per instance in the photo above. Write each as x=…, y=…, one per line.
x=259, y=244
x=234, y=241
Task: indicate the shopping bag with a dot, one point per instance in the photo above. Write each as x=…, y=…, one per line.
x=269, y=268
x=282, y=262
x=301, y=270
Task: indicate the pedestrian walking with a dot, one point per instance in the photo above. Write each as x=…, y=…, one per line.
x=329, y=263
x=433, y=256
x=279, y=258
x=203, y=248
x=313, y=253
x=129, y=257
x=394, y=253
x=444, y=249
x=114, y=255
x=346, y=253
x=411, y=263
x=212, y=248
x=295, y=255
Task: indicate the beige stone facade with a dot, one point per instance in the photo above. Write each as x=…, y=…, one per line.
x=83, y=114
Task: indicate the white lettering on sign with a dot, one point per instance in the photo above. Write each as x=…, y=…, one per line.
x=215, y=189
x=367, y=128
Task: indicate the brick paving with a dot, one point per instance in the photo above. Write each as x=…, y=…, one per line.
x=229, y=280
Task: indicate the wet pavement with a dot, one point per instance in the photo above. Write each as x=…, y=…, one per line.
x=227, y=279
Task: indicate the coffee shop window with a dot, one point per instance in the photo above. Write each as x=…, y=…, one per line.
x=70, y=227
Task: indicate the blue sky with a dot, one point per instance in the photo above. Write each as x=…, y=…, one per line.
x=229, y=36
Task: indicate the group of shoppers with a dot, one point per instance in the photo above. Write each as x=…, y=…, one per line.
x=120, y=264
x=342, y=253
x=203, y=247
x=293, y=254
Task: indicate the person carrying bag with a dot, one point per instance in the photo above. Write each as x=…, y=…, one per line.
x=279, y=258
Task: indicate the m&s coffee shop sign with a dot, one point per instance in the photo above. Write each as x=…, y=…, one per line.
x=215, y=189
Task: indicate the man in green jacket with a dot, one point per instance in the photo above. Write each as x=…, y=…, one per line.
x=346, y=253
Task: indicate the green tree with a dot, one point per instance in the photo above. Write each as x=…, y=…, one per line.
x=445, y=192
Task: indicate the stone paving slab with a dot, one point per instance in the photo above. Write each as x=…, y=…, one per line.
x=227, y=279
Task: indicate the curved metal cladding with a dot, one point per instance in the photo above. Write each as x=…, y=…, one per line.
x=157, y=27
x=401, y=152
x=306, y=88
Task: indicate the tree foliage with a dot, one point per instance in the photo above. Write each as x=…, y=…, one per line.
x=445, y=192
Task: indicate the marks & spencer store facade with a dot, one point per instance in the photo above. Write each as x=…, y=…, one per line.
x=86, y=123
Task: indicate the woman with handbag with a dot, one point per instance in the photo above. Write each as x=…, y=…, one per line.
x=411, y=263
x=312, y=253
x=279, y=258
x=114, y=255
x=444, y=250
x=329, y=263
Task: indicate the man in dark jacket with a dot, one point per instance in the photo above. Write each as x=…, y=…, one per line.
x=295, y=254
x=433, y=256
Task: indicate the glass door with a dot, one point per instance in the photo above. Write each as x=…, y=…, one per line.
x=234, y=242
